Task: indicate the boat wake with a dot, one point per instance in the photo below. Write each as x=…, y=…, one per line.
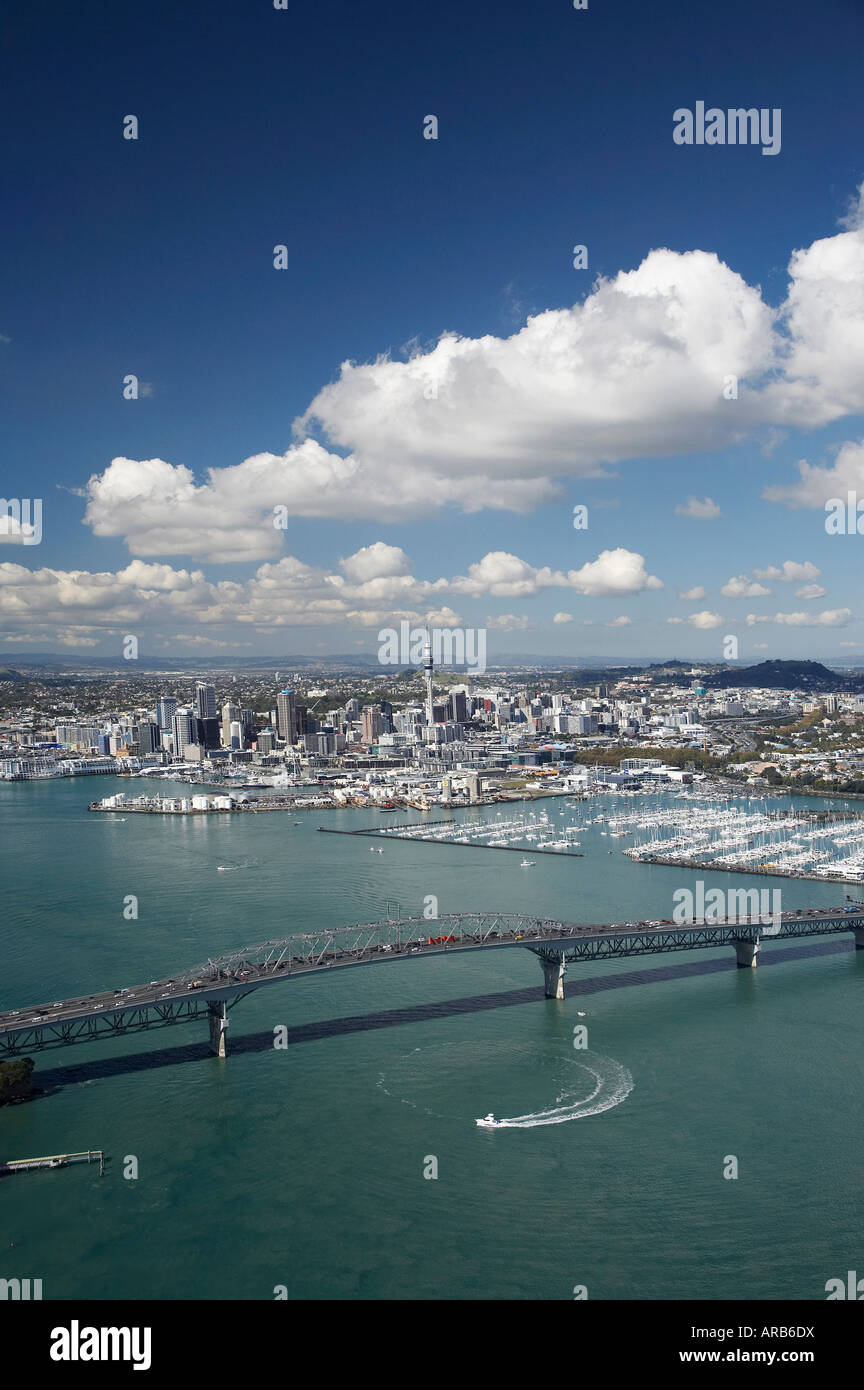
x=584, y=1085
x=612, y=1084
x=230, y=868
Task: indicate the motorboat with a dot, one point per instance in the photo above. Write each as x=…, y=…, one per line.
x=527, y=864
x=489, y=1122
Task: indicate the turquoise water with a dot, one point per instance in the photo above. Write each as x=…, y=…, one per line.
x=304, y=1166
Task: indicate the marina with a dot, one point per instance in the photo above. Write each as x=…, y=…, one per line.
x=747, y=838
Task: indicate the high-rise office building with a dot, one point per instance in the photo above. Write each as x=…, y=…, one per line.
x=458, y=703
x=286, y=716
x=205, y=701
x=207, y=732
x=185, y=731
x=371, y=723
x=230, y=715
x=325, y=741
x=148, y=737
x=166, y=708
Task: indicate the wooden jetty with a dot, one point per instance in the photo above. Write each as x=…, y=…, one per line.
x=24, y=1165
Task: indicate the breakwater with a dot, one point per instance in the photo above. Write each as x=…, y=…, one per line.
x=703, y=865
x=416, y=840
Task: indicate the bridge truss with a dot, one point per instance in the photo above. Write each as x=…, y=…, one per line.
x=211, y=989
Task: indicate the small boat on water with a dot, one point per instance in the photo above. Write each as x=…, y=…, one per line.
x=526, y=864
x=489, y=1123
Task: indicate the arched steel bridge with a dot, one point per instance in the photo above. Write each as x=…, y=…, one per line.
x=208, y=991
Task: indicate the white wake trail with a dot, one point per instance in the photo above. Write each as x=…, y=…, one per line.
x=614, y=1084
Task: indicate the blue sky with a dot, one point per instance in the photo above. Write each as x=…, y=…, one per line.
x=304, y=127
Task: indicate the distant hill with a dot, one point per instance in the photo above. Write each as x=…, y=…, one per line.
x=780, y=675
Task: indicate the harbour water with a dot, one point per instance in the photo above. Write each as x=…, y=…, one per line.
x=303, y=1166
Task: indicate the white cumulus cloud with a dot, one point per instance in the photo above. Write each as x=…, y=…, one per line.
x=792, y=572
x=704, y=621
x=509, y=622
x=636, y=370
x=503, y=575
x=817, y=485
x=832, y=617
x=742, y=587
x=705, y=509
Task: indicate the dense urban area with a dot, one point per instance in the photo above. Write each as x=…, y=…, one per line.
x=421, y=736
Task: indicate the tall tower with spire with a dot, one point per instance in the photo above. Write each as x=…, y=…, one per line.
x=427, y=668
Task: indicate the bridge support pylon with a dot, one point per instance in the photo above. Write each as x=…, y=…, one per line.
x=859, y=938
x=218, y=1014
x=746, y=953
x=554, y=971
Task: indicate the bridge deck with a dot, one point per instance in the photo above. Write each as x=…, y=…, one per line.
x=220, y=983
